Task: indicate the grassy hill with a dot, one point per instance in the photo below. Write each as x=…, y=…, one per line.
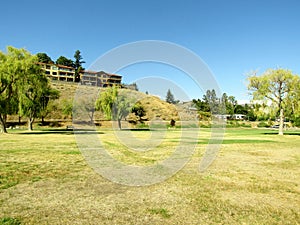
x=154, y=106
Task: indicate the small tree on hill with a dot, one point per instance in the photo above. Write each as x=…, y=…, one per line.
x=115, y=105
x=138, y=111
x=170, y=97
x=78, y=65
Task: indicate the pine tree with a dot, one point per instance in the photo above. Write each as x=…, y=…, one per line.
x=170, y=97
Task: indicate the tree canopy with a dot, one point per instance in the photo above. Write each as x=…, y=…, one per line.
x=44, y=58
x=280, y=87
x=22, y=85
x=62, y=60
x=114, y=104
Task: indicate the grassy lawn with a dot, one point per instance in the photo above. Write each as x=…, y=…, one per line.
x=44, y=179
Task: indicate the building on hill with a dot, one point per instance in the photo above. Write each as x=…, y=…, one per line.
x=99, y=79
x=59, y=72
x=92, y=78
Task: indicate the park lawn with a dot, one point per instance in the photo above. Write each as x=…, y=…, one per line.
x=255, y=179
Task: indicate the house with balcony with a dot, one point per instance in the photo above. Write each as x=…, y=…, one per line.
x=99, y=79
x=65, y=73
x=59, y=72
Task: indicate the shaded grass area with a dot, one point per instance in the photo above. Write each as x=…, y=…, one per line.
x=44, y=179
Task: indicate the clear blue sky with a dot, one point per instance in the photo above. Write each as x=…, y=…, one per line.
x=233, y=37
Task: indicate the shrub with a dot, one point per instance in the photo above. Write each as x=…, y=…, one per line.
x=296, y=122
x=263, y=124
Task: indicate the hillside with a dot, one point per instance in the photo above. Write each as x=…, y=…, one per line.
x=154, y=106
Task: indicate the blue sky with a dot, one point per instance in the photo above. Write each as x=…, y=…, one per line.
x=232, y=37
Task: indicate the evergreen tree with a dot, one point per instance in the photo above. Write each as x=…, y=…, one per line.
x=78, y=65
x=170, y=97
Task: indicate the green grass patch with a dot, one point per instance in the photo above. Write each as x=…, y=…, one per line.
x=160, y=211
x=9, y=221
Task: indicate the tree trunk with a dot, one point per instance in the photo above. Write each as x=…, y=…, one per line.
x=30, y=122
x=120, y=124
x=281, y=123
x=3, y=124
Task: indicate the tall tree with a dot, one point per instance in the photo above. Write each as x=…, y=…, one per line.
x=65, y=61
x=14, y=67
x=22, y=83
x=32, y=92
x=78, y=65
x=170, y=97
x=44, y=58
x=277, y=86
x=213, y=101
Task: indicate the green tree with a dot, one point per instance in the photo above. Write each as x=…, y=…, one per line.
x=44, y=58
x=67, y=108
x=212, y=100
x=138, y=111
x=279, y=86
x=65, y=61
x=170, y=97
x=22, y=85
x=32, y=91
x=78, y=65
x=113, y=104
x=15, y=66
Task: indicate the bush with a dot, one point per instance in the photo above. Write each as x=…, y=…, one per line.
x=263, y=124
x=296, y=122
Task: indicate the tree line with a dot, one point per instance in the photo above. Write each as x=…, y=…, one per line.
x=226, y=105
x=275, y=94
x=26, y=91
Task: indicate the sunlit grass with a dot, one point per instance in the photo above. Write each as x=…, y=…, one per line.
x=255, y=179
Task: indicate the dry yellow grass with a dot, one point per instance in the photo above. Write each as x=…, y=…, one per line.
x=254, y=180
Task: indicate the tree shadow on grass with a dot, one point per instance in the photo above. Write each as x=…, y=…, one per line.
x=60, y=131
x=294, y=133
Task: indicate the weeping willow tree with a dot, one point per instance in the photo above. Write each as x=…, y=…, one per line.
x=32, y=93
x=23, y=86
x=113, y=104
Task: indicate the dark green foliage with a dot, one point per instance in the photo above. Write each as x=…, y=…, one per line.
x=78, y=65
x=44, y=58
x=170, y=97
x=65, y=61
x=263, y=124
x=139, y=111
